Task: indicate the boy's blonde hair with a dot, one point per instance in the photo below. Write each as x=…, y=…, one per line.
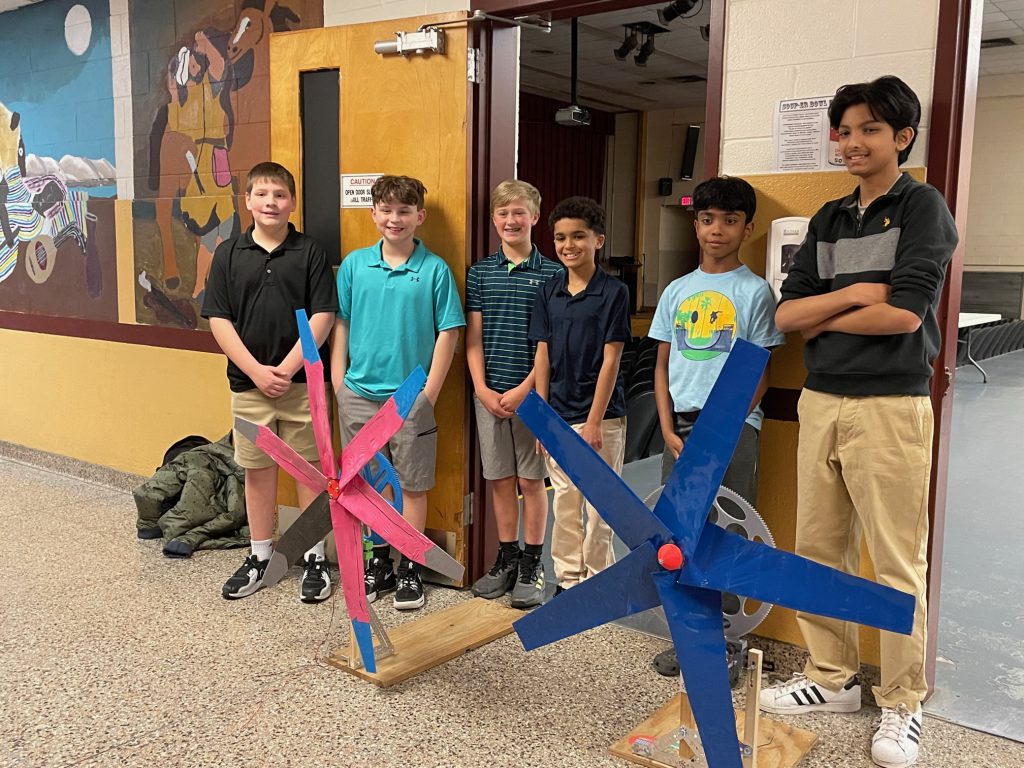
x=514, y=189
x=398, y=189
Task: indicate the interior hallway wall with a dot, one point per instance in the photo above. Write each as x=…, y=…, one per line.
x=361, y=11
x=995, y=226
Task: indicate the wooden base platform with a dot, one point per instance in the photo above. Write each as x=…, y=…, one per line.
x=779, y=745
x=434, y=639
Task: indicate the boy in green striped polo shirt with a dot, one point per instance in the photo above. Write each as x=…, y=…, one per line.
x=500, y=291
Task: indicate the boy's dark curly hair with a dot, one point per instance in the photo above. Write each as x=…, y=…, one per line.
x=583, y=208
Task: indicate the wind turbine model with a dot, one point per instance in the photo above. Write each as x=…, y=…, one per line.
x=352, y=500
x=681, y=561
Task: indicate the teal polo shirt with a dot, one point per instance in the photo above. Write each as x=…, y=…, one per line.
x=394, y=316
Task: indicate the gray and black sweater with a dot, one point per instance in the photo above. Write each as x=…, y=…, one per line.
x=905, y=238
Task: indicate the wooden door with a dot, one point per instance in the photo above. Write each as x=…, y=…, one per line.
x=403, y=116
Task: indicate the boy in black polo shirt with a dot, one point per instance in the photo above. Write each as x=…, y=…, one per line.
x=500, y=291
x=256, y=282
x=580, y=322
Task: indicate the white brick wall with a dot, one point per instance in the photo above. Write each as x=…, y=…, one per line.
x=781, y=49
x=338, y=12
x=120, y=67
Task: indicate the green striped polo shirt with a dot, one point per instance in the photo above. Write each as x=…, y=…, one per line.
x=503, y=294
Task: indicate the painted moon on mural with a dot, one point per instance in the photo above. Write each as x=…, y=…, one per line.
x=78, y=29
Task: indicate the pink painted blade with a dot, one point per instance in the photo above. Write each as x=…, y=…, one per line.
x=318, y=413
x=371, y=438
x=348, y=538
x=363, y=501
x=283, y=454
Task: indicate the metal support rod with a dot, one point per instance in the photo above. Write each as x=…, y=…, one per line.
x=572, y=54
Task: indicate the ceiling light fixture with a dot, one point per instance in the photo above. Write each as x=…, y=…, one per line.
x=629, y=42
x=645, y=52
x=674, y=10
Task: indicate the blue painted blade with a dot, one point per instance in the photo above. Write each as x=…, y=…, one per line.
x=406, y=394
x=691, y=489
x=623, y=589
x=310, y=353
x=730, y=563
x=695, y=621
x=631, y=520
x=364, y=639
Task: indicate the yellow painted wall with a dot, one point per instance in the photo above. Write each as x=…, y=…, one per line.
x=118, y=405
x=778, y=195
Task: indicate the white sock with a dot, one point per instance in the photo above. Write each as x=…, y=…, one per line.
x=262, y=549
x=317, y=549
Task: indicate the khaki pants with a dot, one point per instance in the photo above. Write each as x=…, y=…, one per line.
x=580, y=550
x=863, y=466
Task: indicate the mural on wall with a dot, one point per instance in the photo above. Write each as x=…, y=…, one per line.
x=201, y=116
x=57, y=182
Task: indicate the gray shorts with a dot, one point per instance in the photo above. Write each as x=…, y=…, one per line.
x=412, y=450
x=507, y=447
x=741, y=475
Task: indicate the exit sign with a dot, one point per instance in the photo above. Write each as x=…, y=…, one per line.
x=686, y=201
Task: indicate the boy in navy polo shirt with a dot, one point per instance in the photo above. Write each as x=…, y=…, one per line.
x=256, y=282
x=581, y=323
x=499, y=296
x=398, y=308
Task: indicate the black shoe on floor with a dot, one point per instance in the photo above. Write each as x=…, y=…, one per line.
x=501, y=579
x=410, y=588
x=315, y=586
x=246, y=580
x=529, y=589
x=379, y=577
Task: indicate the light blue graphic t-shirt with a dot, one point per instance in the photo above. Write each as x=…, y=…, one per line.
x=700, y=315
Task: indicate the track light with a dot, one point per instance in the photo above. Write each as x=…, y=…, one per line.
x=645, y=52
x=674, y=10
x=629, y=42
x=705, y=33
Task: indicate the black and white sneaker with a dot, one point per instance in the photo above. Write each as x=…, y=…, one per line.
x=246, y=580
x=410, y=588
x=898, y=739
x=315, y=586
x=379, y=577
x=801, y=694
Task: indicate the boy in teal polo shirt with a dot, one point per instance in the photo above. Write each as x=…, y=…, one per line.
x=399, y=307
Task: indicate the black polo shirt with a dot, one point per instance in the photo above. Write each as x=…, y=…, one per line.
x=260, y=291
x=576, y=328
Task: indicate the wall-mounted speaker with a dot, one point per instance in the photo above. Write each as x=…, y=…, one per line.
x=664, y=186
x=690, y=152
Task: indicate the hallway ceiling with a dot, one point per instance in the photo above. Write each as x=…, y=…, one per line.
x=1003, y=19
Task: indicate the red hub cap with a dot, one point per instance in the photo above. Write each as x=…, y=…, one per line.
x=670, y=557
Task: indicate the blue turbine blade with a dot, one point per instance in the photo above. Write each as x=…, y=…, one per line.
x=364, y=639
x=406, y=394
x=618, y=505
x=623, y=589
x=695, y=621
x=690, y=491
x=309, y=350
x=730, y=563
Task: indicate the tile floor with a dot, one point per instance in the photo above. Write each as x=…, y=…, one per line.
x=113, y=655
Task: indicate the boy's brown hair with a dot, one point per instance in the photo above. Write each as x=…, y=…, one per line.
x=515, y=189
x=273, y=172
x=398, y=189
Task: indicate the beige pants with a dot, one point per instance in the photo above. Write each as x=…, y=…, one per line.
x=863, y=467
x=580, y=549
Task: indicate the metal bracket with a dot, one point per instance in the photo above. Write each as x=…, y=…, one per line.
x=474, y=65
x=467, y=509
x=420, y=42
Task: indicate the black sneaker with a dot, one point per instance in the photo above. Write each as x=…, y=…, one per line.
x=315, y=586
x=246, y=580
x=501, y=578
x=410, y=588
x=379, y=577
x=528, y=591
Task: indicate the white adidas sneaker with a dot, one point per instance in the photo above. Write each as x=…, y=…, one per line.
x=898, y=739
x=801, y=694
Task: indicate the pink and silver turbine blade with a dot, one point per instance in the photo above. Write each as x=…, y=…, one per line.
x=283, y=454
x=348, y=539
x=362, y=500
x=317, y=396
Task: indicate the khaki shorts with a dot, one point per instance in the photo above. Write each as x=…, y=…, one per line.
x=412, y=450
x=507, y=447
x=286, y=416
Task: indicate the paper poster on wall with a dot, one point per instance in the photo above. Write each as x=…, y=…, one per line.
x=355, y=189
x=804, y=141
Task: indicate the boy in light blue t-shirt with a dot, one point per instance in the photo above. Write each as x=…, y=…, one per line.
x=698, y=318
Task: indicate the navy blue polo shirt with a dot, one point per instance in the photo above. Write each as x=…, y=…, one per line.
x=260, y=291
x=503, y=294
x=576, y=328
